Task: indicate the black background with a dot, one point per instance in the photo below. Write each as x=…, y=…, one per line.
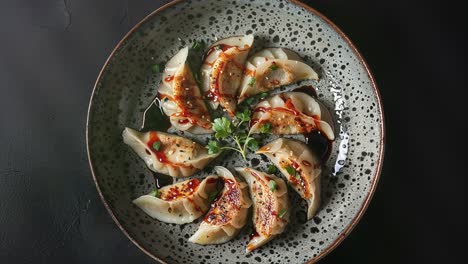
x=52, y=50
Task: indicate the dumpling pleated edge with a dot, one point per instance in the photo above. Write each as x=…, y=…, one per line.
x=274, y=209
x=182, y=210
x=208, y=233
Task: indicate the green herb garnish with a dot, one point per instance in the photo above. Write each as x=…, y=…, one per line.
x=223, y=127
x=253, y=99
x=272, y=185
x=213, y=147
x=217, y=47
x=243, y=116
x=155, y=68
x=249, y=100
x=263, y=95
x=291, y=170
x=252, y=144
x=252, y=81
x=282, y=213
x=272, y=169
x=198, y=45
x=157, y=145
x=232, y=131
x=155, y=193
x=273, y=67
x=265, y=128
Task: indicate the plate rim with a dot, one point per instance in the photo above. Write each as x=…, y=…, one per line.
x=365, y=204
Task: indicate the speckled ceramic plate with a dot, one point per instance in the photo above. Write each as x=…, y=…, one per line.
x=126, y=86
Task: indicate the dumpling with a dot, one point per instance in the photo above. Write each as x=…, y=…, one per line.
x=180, y=97
x=168, y=154
x=179, y=203
x=270, y=206
x=227, y=215
x=300, y=167
x=222, y=71
x=271, y=68
x=291, y=113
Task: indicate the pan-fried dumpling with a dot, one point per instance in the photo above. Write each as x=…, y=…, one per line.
x=222, y=71
x=227, y=215
x=270, y=206
x=180, y=97
x=179, y=203
x=168, y=154
x=300, y=167
x=291, y=113
x=271, y=68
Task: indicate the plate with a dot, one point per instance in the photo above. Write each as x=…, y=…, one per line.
x=127, y=85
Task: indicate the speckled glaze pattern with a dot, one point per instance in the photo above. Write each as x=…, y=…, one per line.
x=127, y=85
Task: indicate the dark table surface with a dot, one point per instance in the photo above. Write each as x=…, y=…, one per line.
x=50, y=54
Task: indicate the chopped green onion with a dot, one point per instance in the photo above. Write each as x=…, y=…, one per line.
x=282, y=213
x=252, y=81
x=272, y=169
x=290, y=170
x=263, y=95
x=272, y=185
x=156, y=68
x=273, y=67
x=157, y=145
x=197, y=45
x=155, y=193
x=217, y=47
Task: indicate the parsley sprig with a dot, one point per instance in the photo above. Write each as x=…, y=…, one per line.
x=234, y=131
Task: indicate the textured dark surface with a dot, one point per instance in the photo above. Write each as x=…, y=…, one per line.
x=51, y=52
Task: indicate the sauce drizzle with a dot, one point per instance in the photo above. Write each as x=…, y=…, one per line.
x=295, y=181
x=226, y=205
x=304, y=122
x=181, y=190
x=169, y=78
x=160, y=155
x=213, y=94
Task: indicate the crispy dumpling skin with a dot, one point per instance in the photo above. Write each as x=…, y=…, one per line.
x=181, y=99
x=227, y=215
x=271, y=68
x=296, y=155
x=176, y=157
x=291, y=113
x=222, y=71
x=179, y=203
x=270, y=206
